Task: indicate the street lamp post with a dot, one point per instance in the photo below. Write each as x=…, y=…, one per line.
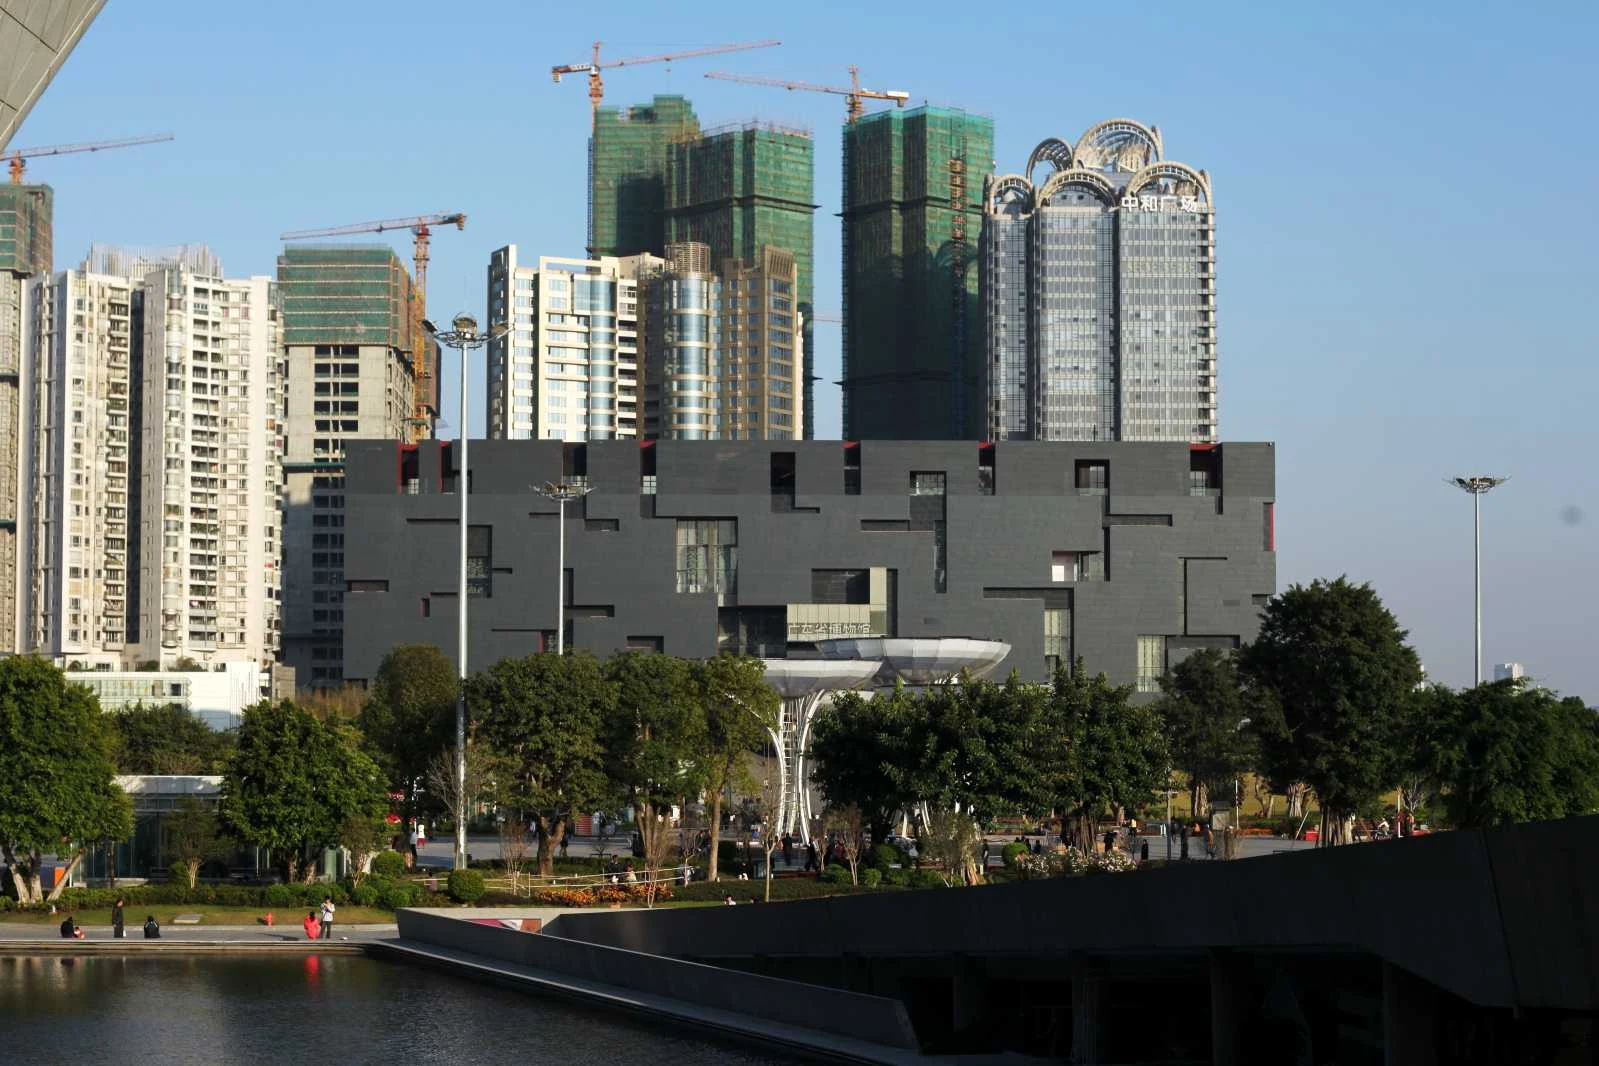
x=463, y=336
x=561, y=492
x=1479, y=486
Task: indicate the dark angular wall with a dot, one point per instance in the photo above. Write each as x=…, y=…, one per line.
x=1192, y=568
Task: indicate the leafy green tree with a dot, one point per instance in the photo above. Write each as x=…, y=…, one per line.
x=864, y=757
x=295, y=781
x=544, y=715
x=57, y=793
x=194, y=836
x=409, y=717
x=651, y=737
x=1334, y=673
x=740, y=709
x=363, y=837
x=1104, y=751
x=978, y=746
x=167, y=739
x=1504, y=753
x=1203, y=708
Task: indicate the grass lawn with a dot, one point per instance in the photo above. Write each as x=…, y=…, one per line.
x=284, y=917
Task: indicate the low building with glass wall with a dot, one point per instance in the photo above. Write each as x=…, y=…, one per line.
x=1127, y=556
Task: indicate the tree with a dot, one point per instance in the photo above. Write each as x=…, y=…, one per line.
x=363, y=837
x=57, y=793
x=167, y=739
x=950, y=842
x=740, y=708
x=655, y=729
x=1203, y=709
x=543, y=715
x=1333, y=672
x=861, y=751
x=294, y=781
x=1505, y=753
x=408, y=717
x=1104, y=752
x=448, y=792
x=194, y=836
x=768, y=799
x=977, y=747
x=847, y=823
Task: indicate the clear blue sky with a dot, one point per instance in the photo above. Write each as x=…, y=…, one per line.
x=1405, y=194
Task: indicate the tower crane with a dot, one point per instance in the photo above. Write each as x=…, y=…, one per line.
x=421, y=227
x=853, y=95
x=593, y=67
x=18, y=158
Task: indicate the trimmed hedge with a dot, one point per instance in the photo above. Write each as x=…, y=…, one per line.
x=388, y=864
x=466, y=886
x=369, y=893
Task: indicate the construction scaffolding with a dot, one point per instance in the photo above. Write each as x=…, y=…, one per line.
x=345, y=294
x=25, y=251
x=912, y=356
x=741, y=188
x=627, y=174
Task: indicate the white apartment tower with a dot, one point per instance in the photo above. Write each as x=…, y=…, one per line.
x=152, y=430
x=568, y=366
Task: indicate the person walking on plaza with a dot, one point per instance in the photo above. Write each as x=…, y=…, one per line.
x=810, y=856
x=117, y=928
x=327, y=917
x=1184, y=839
x=313, y=928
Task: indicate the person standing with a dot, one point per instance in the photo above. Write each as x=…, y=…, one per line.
x=810, y=856
x=118, y=929
x=327, y=917
x=788, y=849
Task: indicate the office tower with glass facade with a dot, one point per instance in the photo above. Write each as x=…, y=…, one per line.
x=25, y=250
x=628, y=153
x=567, y=366
x=913, y=342
x=743, y=188
x=348, y=341
x=1099, y=293
x=153, y=409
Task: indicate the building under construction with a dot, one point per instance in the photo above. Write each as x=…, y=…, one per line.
x=913, y=338
x=347, y=334
x=627, y=174
x=747, y=188
x=25, y=252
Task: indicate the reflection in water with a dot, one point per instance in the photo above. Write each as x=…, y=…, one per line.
x=195, y=1009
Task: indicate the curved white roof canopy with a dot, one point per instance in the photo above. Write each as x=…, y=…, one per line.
x=920, y=660
x=36, y=36
x=796, y=678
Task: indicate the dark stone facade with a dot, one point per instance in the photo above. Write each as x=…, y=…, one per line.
x=1165, y=540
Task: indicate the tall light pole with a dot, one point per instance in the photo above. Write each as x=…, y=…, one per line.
x=561, y=492
x=1478, y=485
x=463, y=336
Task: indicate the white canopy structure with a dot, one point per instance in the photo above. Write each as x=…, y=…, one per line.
x=920, y=660
x=36, y=36
x=804, y=684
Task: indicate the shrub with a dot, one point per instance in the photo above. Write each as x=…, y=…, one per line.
x=887, y=856
x=927, y=879
x=898, y=878
x=1014, y=851
x=388, y=864
x=466, y=886
x=281, y=896
x=364, y=894
x=394, y=895
x=837, y=873
x=871, y=878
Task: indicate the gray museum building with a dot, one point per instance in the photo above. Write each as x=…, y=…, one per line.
x=1126, y=555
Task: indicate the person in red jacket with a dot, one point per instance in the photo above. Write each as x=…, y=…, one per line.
x=313, y=928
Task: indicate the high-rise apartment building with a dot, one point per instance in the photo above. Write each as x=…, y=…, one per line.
x=743, y=188
x=151, y=450
x=913, y=341
x=567, y=365
x=25, y=250
x=764, y=358
x=627, y=174
x=682, y=346
x=348, y=347
x=1099, y=293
